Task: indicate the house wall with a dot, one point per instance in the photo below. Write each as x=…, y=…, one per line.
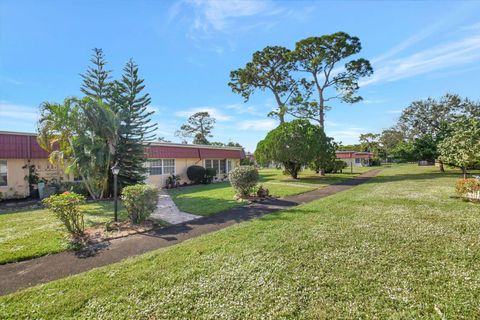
x=181, y=166
x=17, y=184
x=351, y=161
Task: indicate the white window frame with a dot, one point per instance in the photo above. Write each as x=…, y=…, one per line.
x=162, y=166
x=218, y=161
x=5, y=173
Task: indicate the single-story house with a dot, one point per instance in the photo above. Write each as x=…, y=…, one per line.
x=19, y=150
x=354, y=158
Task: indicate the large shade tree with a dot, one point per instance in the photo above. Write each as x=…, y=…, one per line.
x=293, y=144
x=461, y=147
x=199, y=127
x=429, y=119
x=322, y=59
x=269, y=70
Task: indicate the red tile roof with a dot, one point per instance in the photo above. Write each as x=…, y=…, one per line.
x=15, y=145
x=20, y=146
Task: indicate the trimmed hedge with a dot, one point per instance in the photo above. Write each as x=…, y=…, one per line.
x=196, y=173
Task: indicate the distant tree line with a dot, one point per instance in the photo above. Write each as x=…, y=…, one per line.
x=444, y=130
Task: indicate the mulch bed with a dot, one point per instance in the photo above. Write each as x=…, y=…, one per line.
x=110, y=231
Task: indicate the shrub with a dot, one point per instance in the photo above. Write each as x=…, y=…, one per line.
x=465, y=186
x=73, y=186
x=243, y=179
x=210, y=173
x=66, y=207
x=140, y=201
x=196, y=173
x=336, y=166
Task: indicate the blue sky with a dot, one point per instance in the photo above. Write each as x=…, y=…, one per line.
x=186, y=50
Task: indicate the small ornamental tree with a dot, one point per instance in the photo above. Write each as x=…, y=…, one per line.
x=293, y=144
x=462, y=146
x=243, y=179
x=66, y=208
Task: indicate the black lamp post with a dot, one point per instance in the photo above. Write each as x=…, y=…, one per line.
x=115, y=171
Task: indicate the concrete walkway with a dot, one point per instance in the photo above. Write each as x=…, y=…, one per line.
x=15, y=276
x=168, y=211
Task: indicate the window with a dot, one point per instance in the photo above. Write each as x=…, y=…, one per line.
x=3, y=172
x=218, y=165
x=229, y=166
x=161, y=166
x=358, y=160
x=168, y=166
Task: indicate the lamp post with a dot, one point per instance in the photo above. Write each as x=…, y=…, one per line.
x=115, y=171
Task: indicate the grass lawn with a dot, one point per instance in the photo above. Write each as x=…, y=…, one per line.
x=34, y=233
x=210, y=199
x=399, y=246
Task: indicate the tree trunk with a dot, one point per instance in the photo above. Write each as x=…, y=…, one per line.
x=442, y=169
x=322, y=172
x=464, y=169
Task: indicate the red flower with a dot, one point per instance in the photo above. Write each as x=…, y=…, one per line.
x=66, y=192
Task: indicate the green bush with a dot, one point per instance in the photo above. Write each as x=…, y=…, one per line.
x=196, y=173
x=210, y=173
x=140, y=201
x=243, y=179
x=336, y=166
x=66, y=207
x=73, y=186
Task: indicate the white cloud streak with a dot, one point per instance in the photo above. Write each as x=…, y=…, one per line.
x=446, y=55
x=219, y=116
x=218, y=15
x=257, y=125
x=18, y=112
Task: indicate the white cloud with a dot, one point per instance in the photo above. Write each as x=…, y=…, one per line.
x=446, y=55
x=10, y=80
x=18, y=112
x=374, y=101
x=241, y=108
x=217, y=15
x=219, y=116
x=347, y=135
x=257, y=125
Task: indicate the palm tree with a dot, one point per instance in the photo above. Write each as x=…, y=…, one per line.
x=81, y=135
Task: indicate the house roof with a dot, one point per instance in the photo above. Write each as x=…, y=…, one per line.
x=20, y=145
x=353, y=154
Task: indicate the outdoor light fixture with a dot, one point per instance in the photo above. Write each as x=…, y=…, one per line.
x=115, y=172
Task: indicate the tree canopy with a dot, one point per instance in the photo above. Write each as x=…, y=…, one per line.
x=293, y=144
x=199, y=126
x=320, y=57
x=270, y=69
x=461, y=147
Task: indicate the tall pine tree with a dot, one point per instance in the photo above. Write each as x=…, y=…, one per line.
x=135, y=128
x=96, y=80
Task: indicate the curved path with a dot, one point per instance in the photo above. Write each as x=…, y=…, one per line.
x=15, y=276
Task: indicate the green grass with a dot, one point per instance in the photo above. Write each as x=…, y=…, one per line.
x=34, y=233
x=399, y=247
x=210, y=199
